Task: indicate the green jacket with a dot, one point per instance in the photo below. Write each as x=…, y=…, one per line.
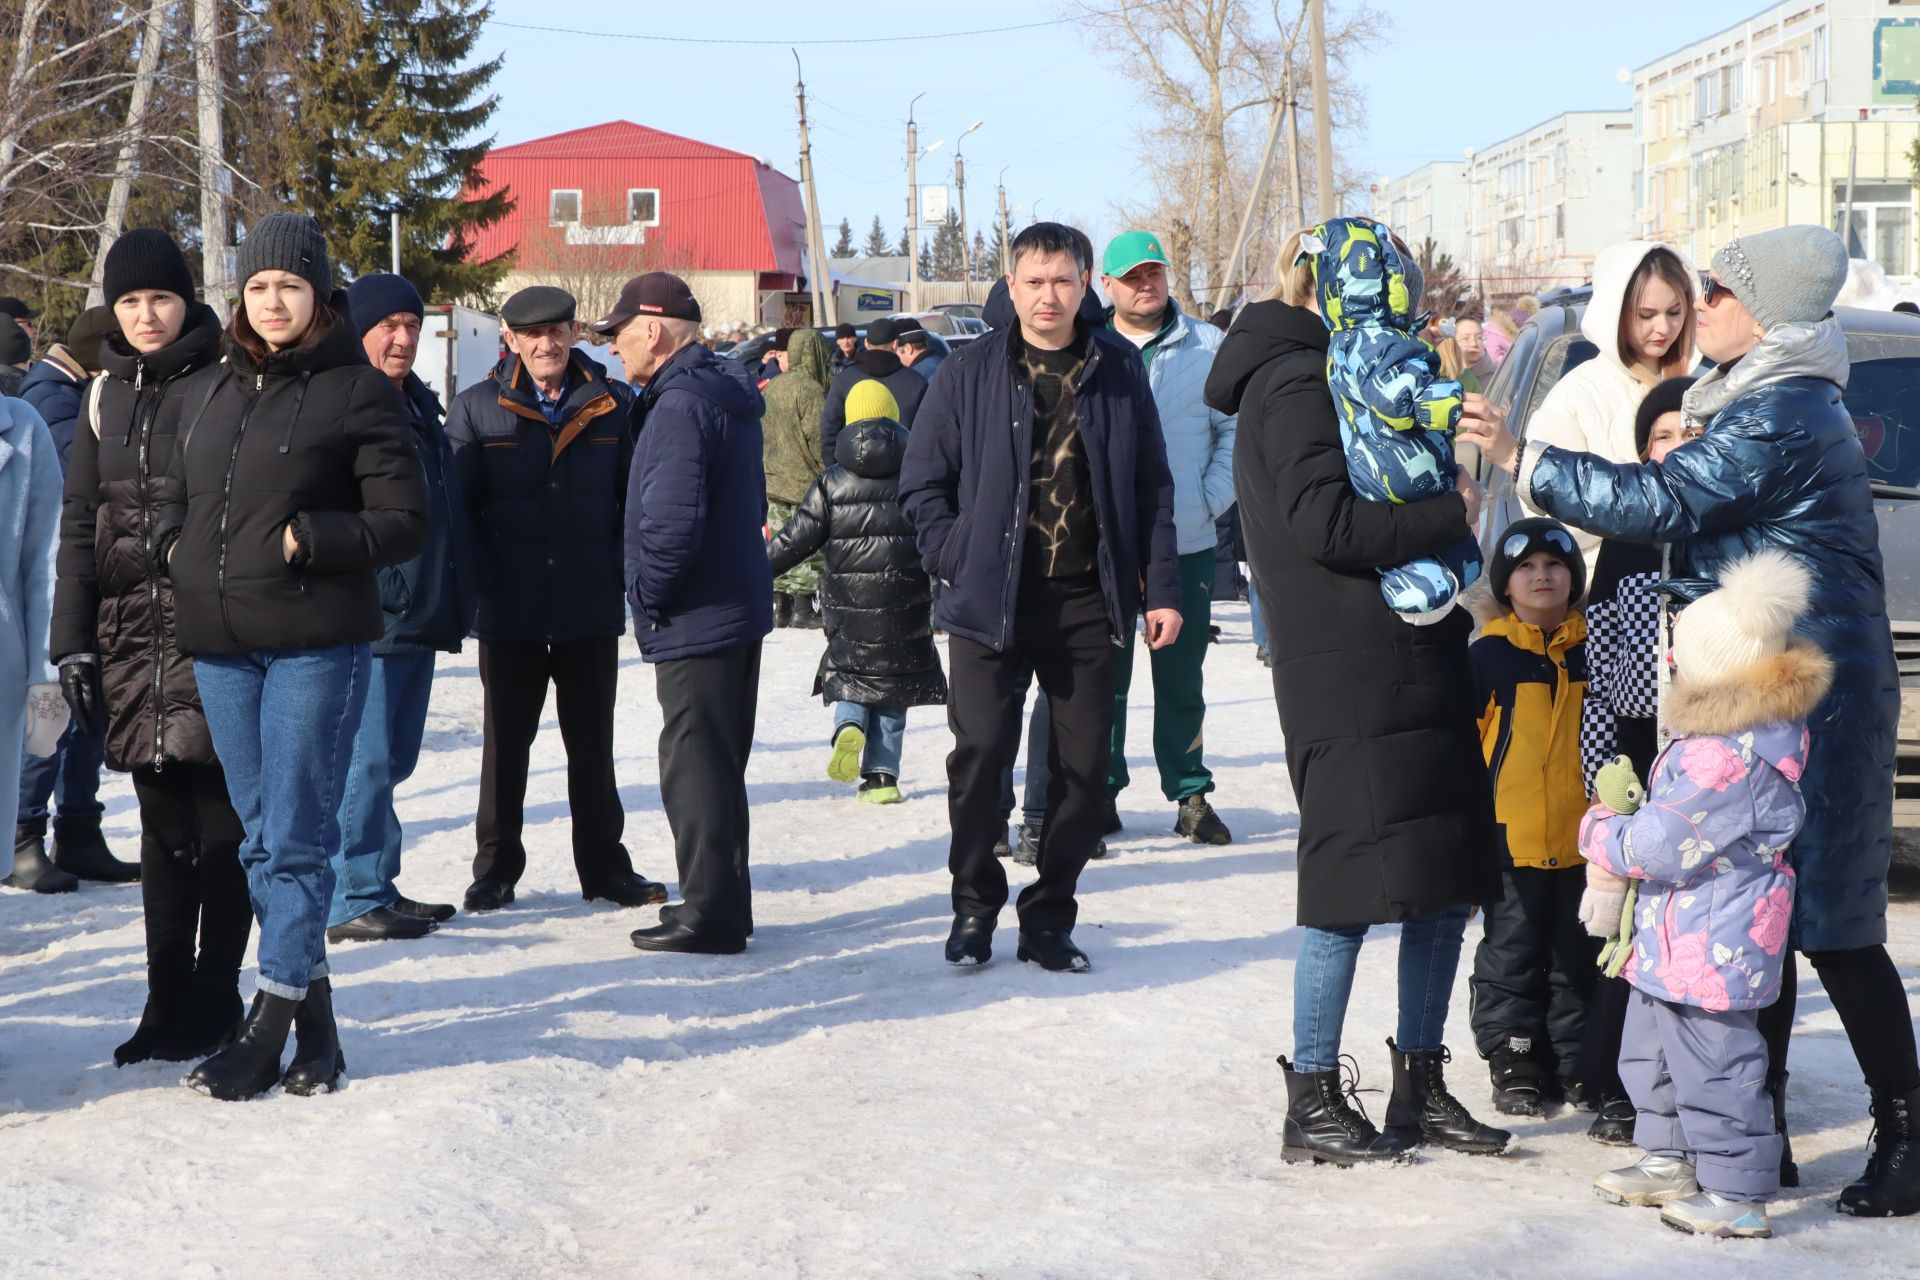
x=791, y=425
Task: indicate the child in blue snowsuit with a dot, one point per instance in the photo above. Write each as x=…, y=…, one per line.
x=1397, y=414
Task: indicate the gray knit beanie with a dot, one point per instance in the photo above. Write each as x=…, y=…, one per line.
x=1785, y=276
x=287, y=242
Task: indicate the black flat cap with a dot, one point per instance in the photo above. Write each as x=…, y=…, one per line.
x=537, y=305
x=17, y=308
x=881, y=332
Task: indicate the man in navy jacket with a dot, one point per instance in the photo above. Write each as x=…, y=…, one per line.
x=701, y=596
x=1037, y=483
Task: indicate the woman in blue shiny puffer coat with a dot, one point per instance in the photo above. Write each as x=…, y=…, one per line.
x=1781, y=466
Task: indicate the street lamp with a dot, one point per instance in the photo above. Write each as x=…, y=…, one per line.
x=966, y=245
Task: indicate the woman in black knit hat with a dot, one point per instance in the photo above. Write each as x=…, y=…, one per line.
x=122, y=673
x=292, y=484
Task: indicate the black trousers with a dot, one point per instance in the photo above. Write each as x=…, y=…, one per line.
x=191, y=886
x=1600, y=1047
x=1867, y=994
x=514, y=678
x=1534, y=972
x=1061, y=636
x=707, y=708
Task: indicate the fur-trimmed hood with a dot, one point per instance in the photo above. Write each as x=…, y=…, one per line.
x=1782, y=689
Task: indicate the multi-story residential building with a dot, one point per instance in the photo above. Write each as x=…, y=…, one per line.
x=1429, y=203
x=1545, y=202
x=1798, y=114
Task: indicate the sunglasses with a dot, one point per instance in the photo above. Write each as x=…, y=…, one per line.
x=1712, y=291
x=1516, y=545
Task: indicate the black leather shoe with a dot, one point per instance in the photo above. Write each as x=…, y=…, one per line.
x=971, y=941
x=675, y=936
x=438, y=912
x=1053, y=950
x=382, y=924
x=488, y=895
x=80, y=850
x=250, y=1065
x=627, y=890
x=317, y=1060
x=32, y=869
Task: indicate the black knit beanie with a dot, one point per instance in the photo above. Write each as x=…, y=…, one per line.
x=15, y=346
x=1665, y=397
x=375, y=297
x=146, y=258
x=290, y=242
x=1524, y=538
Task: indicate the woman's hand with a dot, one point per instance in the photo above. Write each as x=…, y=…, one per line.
x=1469, y=491
x=1484, y=424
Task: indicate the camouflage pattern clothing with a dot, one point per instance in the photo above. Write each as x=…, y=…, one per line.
x=791, y=429
x=804, y=578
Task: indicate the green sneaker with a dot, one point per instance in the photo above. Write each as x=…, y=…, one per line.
x=849, y=741
x=880, y=788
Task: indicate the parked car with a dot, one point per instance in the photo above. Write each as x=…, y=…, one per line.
x=754, y=350
x=971, y=310
x=1883, y=395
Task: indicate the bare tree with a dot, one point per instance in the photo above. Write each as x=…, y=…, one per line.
x=120, y=191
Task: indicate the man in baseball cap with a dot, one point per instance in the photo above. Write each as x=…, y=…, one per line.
x=658, y=293
x=23, y=315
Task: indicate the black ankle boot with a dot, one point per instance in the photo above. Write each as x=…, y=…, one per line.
x=213, y=1018
x=1789, y=1171
x=1890, y=1188
x=317, y=1059
x=169, y=1003
x=1324, y=1126
x=1519, y=1082
x=32, y=869
x=250, y=1065
x=1422, y=1109
x=80, y=850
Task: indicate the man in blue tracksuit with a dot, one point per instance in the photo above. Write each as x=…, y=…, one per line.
x=1037, y=484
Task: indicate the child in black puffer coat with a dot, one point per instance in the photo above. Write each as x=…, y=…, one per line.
x=874, y=595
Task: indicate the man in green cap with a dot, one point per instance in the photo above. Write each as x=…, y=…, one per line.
x=1178, y=353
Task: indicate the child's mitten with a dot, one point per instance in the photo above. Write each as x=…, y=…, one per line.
x=1601, y=904
x=1617, y=786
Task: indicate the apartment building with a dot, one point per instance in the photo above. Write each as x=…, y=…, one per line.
x=1431, y=203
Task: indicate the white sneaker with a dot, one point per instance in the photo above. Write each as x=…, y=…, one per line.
x=1653, y=1182
x=1707, y=1214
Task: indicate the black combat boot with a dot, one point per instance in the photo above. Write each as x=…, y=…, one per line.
x=1890, y=1188
x=1325, y=1127
x=250, y=1065
x=1422, y=1110
x=80, y=850
x=317, y=1060
x=32, y=869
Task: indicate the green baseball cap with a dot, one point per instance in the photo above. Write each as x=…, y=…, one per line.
x=1128, y=250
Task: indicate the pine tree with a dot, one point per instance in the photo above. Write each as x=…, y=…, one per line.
x=926, y=262
x=843, y=247
x=876, y=240
x=949, y=255
x=992, y=271
x=983, y=268
x=906, y=242
x=388, y=106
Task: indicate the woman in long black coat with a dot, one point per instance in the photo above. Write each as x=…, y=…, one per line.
x=1396, y=813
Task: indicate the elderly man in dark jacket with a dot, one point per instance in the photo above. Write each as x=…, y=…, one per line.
x=1037, y=483
x=540, y=453
x=877, y=361
x=702, y=597
x=428, y=602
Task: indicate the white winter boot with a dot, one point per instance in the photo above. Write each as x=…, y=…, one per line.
x=1653, y=1182
x=1707, y=1214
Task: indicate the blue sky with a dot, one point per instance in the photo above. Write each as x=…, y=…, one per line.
x=1059, y=117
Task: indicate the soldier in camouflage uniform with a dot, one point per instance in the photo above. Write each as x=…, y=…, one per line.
x=791, y=428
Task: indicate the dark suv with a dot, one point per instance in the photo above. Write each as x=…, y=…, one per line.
x=1883, y=395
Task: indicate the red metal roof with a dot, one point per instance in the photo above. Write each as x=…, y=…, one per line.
x=719, y=210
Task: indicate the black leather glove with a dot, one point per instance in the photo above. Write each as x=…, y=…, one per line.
x=80, y=686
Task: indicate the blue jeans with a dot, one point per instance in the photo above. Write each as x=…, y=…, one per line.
x=1323, y=983
x=1259, y=618
x=1033, y=796
x=71, y=775
x=886, y=729
x=283, y=723
x=386, y=747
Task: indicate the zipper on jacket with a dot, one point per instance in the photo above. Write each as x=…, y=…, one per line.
x=153, y=577
x=226, y=504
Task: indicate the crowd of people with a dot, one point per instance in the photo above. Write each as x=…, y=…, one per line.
x=1648, y=733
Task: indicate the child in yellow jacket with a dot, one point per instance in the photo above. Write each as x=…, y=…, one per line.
x=1534, y=972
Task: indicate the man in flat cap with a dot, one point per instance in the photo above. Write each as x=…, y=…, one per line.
x=702, y=596
x=877, y=361
x=540, y=449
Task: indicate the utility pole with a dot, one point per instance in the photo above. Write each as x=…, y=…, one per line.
x=913, y=208
x=1228, y=290
x=121, y=190
x=395, y=222
x=820, y=279
x=1006, y=232
x=215, y=183
x=966, y=245
x=1322, y=119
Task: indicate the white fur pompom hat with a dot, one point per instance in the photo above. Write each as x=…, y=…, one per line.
x=1748, y=620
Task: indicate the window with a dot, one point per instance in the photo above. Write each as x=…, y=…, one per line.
x=1560, y=162
x=1732, y=79
x=1560, y=223
x=1819, y=69
x=643, y=206
x=1705, y=95
x=1882, y=227
x=563, y=208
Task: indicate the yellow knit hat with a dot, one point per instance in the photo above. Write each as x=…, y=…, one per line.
x=871, y=399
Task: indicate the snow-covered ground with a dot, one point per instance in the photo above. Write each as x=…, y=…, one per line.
x=530, y=1096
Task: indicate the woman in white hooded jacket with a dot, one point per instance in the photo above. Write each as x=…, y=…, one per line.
x=1641, y=318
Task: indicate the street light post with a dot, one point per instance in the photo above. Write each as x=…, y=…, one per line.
x=1006, y=233
x=913, y=207
x=966, y=245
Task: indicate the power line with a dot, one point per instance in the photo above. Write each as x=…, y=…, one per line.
x=932, y=35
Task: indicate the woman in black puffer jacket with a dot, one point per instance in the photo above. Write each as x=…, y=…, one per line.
x=292, y=483
x=874, y=596
x=113, y=636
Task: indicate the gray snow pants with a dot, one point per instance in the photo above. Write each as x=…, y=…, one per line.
x=1699, y=1082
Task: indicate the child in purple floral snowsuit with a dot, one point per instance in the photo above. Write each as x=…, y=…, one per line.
x=1706, y=852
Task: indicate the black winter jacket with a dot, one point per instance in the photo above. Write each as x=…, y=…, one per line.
x=313, y=437
x=877, y=599
x=884, y=367
x=429, y=600
x=1396, y=813
x=548, y=503
x=113, y=598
